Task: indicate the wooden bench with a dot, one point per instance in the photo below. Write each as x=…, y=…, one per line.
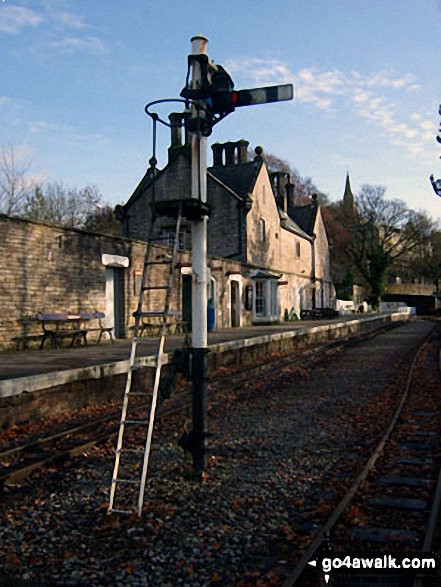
x=59, y=325
x=151, y=324
x=98, y=317
x=318, y=314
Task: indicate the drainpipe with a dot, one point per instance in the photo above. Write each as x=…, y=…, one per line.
x=313, y=273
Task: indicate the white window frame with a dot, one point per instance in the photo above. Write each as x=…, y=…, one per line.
x=266, y=304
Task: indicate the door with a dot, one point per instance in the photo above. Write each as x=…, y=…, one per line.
x=235, y=303
x=119, y=302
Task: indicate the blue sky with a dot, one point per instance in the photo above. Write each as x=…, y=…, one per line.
x=76, y=75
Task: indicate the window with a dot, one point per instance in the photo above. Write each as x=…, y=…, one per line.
x=137, y=280
x=260, y=298
x=262, y=234
x=274, y=309
x=170, y=236
x=266, y=300
x=298, y=250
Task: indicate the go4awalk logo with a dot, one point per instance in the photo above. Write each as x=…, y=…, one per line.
x=377, y=563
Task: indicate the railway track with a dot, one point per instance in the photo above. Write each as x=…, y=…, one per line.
x=20, y=461
x=393, y=504
x=284, y=452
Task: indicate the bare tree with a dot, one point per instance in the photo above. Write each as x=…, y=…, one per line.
x=304, y=189
x=55, y=204
x=383, y=231
x=15, y=184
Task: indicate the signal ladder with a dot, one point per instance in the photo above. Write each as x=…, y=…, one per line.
x=131, y=461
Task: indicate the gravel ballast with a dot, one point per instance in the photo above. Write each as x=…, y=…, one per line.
x=278, y=462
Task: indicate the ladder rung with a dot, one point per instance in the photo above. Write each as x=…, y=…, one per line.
x=148, y=287
x=117, y=511
x=139, y=393
x=137, y=451
x=134, y=422
x=126, y=481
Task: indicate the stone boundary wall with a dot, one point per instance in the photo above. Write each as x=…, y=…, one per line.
x=52, y=269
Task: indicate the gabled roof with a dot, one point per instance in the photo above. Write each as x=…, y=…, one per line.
x=239, y=177
x=305, y=217
x=145, y=183
x=288, y=224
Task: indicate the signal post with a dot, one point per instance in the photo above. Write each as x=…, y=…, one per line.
x=209, y=90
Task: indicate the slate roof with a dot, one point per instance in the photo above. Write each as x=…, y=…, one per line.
x=239, y=177
x=305, y=217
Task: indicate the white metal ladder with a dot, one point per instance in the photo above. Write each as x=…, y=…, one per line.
x=131, y=463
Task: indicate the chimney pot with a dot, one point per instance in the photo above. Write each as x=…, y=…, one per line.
x=218, y=151
x=230, y=149
x=289, y=195
x=242, y=151
x=176, y=129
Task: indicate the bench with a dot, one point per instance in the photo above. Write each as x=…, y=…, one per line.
x=99, y=326
x=318, y=314
x=59, y=325
x=151, y=323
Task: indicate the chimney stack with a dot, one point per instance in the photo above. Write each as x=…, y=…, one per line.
x=218, y=151
x=177, y=122
x=230, y=149
x=242, y=151
x=234, y=153
x=289, y=195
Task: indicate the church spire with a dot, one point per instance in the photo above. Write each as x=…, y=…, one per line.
x=348, y=196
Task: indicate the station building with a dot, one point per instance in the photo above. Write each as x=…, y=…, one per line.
x=281, y=248
x=267, y=258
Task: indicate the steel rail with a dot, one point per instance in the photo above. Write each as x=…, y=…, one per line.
x=315, y=545
x=275, y=366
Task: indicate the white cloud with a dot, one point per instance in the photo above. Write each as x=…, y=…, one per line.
x=378, y=97
x=427, y=124
x=69, y=20
x=88, y=44
x=386, y=79
x=13, y=19
x=63, y=132
x=5, y=101
x=59, y=23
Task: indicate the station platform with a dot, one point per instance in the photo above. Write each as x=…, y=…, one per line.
x=34, y=370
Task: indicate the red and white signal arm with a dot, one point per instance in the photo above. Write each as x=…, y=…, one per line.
x=262, y=95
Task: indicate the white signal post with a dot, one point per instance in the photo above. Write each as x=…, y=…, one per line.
x=199, y=272
x=199, y=129
x=199, y=228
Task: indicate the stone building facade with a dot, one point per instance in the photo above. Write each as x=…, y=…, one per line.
x=282, y=248
x=268, y=258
